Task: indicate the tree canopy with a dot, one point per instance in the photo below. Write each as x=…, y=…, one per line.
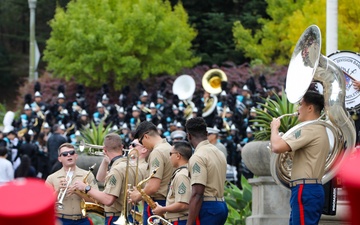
x=275, y=41
x=97, y=41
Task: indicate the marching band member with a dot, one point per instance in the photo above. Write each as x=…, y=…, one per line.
x=177, y=200
x=113, y=195
x=62, y=181
x=207, y=168
x=159, y=148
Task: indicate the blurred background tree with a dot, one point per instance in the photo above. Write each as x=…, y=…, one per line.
x=96, y=41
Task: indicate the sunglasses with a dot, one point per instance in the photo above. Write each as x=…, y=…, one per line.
x=142, y=137
x=67, y=153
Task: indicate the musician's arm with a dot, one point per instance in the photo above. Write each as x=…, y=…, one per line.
x=278, y=145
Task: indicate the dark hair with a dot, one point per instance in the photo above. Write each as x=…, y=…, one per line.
x=196, y=127
x=24, y=167
x=55, y=128
x=145, y=127
x=184, y=148
x=3, y=151
x=113, y=142
x=316, y=99
x=27, y=137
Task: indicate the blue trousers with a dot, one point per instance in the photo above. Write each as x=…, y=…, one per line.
x=212, y=212
x=85, y=221
x=147, y=210
x=307, y=202
x=109, y=220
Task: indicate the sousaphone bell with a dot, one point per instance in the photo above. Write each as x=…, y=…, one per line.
x=184, y=87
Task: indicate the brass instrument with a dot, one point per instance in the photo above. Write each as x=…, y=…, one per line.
x=123, y=219
x=144, y=196
x=211, y=82
x=307, y=64
x=157, y=220
x=62, y=192
x=89, y=207
x=22, y=132
x=184, y=87
x=289, y=114
x=84, y=145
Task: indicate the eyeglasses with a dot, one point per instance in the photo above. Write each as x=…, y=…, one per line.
x=67, y=153
x=142, y=137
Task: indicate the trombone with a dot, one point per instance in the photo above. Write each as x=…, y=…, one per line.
x=123, y=219
x=62, y=191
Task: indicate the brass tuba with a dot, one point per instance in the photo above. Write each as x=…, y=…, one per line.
x=184, y=87
x=211, y=82
x=123, y=219
x=308, y=65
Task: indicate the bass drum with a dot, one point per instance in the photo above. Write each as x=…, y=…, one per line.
x=350, y=63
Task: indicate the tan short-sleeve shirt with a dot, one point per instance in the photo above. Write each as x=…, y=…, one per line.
x=72, y=202
x=179, y=191
x=207, y=166
x=310, y=146
x=159, y=157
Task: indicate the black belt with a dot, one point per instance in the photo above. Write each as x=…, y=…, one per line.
x=71, y=217
x=293, y=183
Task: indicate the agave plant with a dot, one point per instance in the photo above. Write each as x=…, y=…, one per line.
x=95, y=135
x=272, y=109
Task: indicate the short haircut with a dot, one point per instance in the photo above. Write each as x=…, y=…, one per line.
x=184, y=148
x=113, y=142
x=3, y=151
x=316, y=99
x=196, y=127
x=145, y=127
x=68, y=145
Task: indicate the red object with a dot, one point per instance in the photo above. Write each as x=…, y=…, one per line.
x=27, y=201
x=349, y=174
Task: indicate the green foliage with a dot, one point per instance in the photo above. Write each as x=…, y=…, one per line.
x=95, y=41
x=95, y=135
x=238, y=202
x=273, y=109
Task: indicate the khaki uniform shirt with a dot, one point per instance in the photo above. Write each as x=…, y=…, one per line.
x=160, y=157
x=72, y=202
x=207, y=166
x=310, y=147
x=179, y=191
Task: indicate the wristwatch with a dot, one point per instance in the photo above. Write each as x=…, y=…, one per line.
x=87, y=189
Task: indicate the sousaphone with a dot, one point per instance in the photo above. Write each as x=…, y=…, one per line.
x=184, y=87
x=306, y=66
x=211, y=82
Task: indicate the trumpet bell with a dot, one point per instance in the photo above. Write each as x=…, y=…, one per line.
x=211, y=81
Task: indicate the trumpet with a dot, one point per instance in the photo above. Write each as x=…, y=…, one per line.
x=157, y=220
x=62, y=192
x=289, y=114
x=84, y=145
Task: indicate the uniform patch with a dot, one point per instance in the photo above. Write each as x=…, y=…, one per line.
x=182, y=189
x=196, y=168
x=112, y=180
x=297, y=134
x=155, y=163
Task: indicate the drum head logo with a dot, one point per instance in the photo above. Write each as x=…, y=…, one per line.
x=349, y=62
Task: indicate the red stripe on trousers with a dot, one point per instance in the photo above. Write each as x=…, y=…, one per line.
x=176, y=223
x=301, y=206
x=110, y=219
x=197, y=220
x=148, y=210
x=90, y=221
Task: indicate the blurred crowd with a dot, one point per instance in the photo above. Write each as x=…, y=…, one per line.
x=42, y=127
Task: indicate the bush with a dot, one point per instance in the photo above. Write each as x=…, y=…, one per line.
x=238, y=202
x=95, y=135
